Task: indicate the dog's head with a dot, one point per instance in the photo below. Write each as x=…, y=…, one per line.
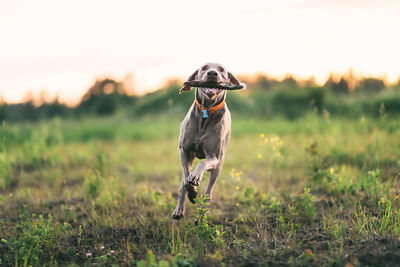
x=211, y=72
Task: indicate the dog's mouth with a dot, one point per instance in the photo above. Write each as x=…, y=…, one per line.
x=211, y=92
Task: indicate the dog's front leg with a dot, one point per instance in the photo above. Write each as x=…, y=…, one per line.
x=186, y=161
x=194, y=178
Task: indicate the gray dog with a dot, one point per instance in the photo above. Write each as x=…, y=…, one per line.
x=204, y=133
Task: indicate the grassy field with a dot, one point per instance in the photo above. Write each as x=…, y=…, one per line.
x=101, y=191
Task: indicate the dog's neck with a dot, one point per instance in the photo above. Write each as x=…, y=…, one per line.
x=209, y=103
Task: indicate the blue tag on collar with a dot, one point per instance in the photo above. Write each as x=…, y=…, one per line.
x=205, y=115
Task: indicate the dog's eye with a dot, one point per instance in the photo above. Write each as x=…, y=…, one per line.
x=221, y=69
x=204, y=68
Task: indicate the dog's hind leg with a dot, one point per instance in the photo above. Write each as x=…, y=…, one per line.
x=186, y=161
x=214, y=174
x=213, y=177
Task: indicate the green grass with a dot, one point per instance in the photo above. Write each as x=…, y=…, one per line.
x=101, y=191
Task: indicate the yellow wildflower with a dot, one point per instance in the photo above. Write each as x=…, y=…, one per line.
x=261, y=135
x=259, y=156
x=237, y=187
x=383, y=200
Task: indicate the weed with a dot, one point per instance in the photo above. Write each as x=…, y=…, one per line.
x=151, y=261
x=202, y=230
x=6, y=165
x=272, y=203
x=177, y=245
x=35, y=150
x=319, y=167
x=100, y=166
x=112, y=190
x=370, y=184
x=337, y=231
x=386, y=220
x=38, y=241
x=93, y=184
x=305, y=205
x=80, y=239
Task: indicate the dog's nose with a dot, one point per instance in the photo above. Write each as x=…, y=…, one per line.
x=212, y=73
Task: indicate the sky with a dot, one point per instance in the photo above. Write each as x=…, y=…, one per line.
x=61, y=47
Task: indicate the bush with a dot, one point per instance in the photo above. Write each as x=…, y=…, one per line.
x=165, y=100
x=371, y=85
x=295, y=102
x=3, y=112
x=104, y=98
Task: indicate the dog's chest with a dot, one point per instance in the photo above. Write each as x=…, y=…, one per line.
x=201, y=141
x=202, y=136
x=196, y=145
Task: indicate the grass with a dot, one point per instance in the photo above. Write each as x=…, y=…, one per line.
x=101, y=191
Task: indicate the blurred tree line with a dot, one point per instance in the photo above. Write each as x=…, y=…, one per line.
x=104, y=97
x=340, y=95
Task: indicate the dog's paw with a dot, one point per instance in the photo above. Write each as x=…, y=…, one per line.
x=194, y=178
x=178, y=214
x=192, y=192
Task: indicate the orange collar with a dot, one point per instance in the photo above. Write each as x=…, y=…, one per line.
x=212, y=110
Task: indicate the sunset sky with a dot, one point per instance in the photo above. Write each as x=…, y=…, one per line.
x=62, y=46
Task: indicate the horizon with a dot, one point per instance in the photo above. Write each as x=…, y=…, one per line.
x=63, y=48
x=350, y=76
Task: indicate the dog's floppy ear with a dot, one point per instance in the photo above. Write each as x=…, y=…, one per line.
x=191, y=78
x=233, y=79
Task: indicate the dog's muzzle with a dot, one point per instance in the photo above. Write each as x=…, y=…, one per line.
x=210, y=92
